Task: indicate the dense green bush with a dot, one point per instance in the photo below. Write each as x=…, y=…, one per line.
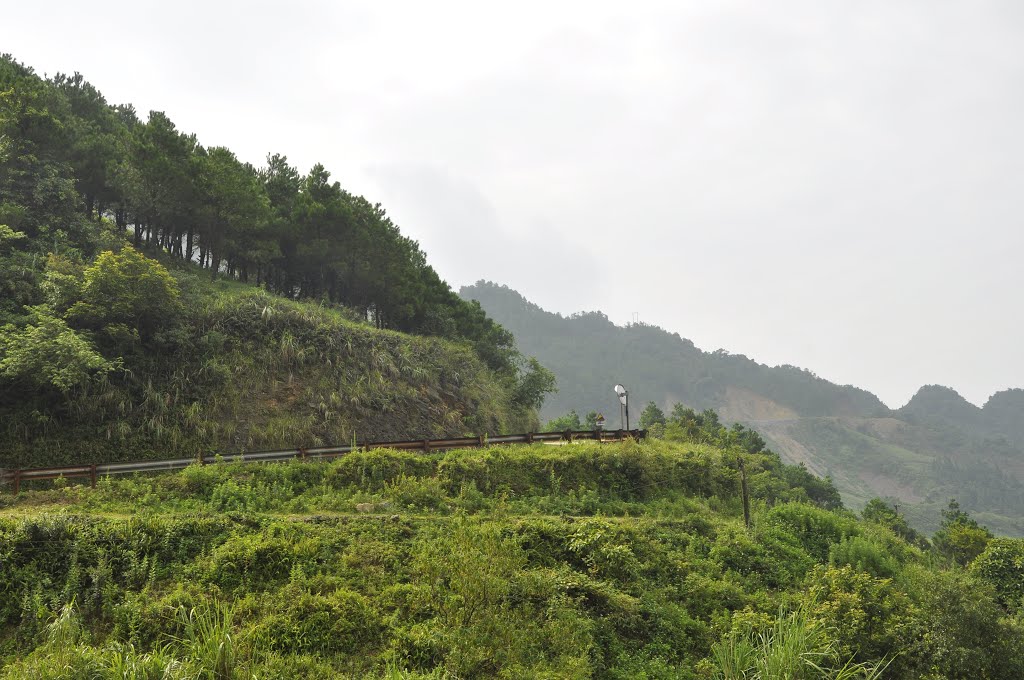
x=1002, y=567
x=815, y=528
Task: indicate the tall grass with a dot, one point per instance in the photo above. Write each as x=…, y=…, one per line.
x=209, y=640
x=794, y=647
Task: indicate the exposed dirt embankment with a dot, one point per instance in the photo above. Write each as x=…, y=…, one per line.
x=741, y=405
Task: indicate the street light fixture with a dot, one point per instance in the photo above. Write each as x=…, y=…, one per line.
x=623, y=395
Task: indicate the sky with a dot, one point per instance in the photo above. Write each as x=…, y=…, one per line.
x=835, y=185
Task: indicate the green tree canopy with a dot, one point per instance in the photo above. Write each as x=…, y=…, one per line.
x=47, y=354
x=960, y=538
x=127, y=288
x=651, y=415
x=570, y=421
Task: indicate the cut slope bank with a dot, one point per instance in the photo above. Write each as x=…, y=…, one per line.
x=245, y=370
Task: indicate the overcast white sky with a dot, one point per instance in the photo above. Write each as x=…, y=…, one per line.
x=836, y=185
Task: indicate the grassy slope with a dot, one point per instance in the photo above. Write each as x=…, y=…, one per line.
x=249, y=371
x=580, y=561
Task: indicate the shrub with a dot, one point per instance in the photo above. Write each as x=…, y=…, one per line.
x=416, y=492
x=815, y=528
x=252, y=561
x=795, y=647
x=336, y=623
x=865, y=617
x=48, y=354
x=863, y=555
x=1002, y=566
x=127, y=288
x=965, y=636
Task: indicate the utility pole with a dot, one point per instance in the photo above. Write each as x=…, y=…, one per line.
x=746, y=494
x=623, y=395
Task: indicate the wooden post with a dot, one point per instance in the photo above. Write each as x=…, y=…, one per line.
x=426, y=446
x=746, y=495
x=17, y=482
x=92, y=475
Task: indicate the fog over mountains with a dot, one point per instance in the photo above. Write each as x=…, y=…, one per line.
x=936, y=447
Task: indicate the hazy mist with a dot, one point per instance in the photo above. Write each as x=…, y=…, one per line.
x=832, y=185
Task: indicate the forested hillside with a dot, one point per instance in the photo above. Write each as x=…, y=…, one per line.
x=159, y=297
x=587, y=352
x=937, y=447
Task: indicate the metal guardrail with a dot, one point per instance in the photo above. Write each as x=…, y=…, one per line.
x=92, y=471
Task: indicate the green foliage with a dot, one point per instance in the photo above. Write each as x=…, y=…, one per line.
x=864, y=555
x=535, y=383
x=130, y=289
x=686, y=425
x=9, y=238
x=815, y=528
x=960, y=538
x=651, y=415
x=878, y=511
x=322, y=624
x=795, y=647
x=582, y=560
x=570, y=421
x=245, y=370
x=48, y=355
x=965, y=635
x=1001, y=565
x=209, y=640
x=865, y=616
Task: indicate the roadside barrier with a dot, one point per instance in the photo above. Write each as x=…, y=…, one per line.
x=15, y=478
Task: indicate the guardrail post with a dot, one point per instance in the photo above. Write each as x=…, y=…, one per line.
x=529, y=437
x=17, y=482
x=480, y=441
x=92, y=475
x=302, y=453
x=426, y=446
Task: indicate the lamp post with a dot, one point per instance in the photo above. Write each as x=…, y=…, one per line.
x=623, y=395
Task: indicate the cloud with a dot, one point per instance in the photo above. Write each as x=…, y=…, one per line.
x=833, y=185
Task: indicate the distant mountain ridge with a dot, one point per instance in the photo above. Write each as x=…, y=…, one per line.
x=935, y=447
